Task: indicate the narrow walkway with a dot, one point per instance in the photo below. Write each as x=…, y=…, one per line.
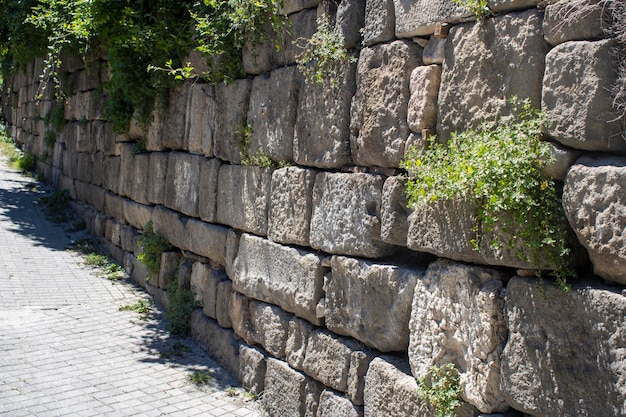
x=66, y=349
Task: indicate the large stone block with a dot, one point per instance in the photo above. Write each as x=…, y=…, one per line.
x=333, y=404
x=370, y=302
x=291, y=6
x=222, y=301
x=574, y=21
x=571, y=364
x=487, y=63
x=114, y=206
x=500, y=6
x=198, y=284
x=594, y=199
x=207, y=189
x=170, y=225
x=272, y=113
x=206, y=239
x=182, y=183
x=327, y=359
x=276, y=274
x=252, y=369
x=271, y=327
x=297, y=341
x=346, y=215
x=424, y=87
x=231, y=123
x=219, y=343
x=289, y=392
x=136, y=214
x=458, y=318
x=134, y=173
x=157, y=175
x=200, y=119
x=110, y=180
x=173, y=134
x=322, y=129
x=239, y=312
x=243, y=197
x=577, y=97
x=394, y=212
x=291, y=204
x=378, y=124
x=419, y=17
x=380, y=22
x=350, y=21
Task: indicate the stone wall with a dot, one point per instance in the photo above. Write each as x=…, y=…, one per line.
x=316, y=285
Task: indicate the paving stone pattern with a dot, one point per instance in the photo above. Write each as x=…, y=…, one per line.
x=67, y=349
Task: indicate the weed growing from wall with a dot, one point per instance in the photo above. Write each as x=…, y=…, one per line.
x=181, y=304
x=57, y=205
x=441, y=389
x=479, y=8
x=499, y=171
x=152, y=247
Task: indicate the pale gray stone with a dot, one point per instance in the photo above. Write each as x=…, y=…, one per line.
x=222, y=301
x=221, y=343
x=170, y=225
x=182, y=183
x=322, y=129
x=243, y=197
x=252, y=369
x=500, y=6
x=572, y=364
x=134, y=174
x=349, y=22
x=288, y=277
x=333, y=404
x=434, y=51
x=291, y=6
x=486, y=63
x=173, y=134
x=198, y=283
x=201, y=118
x=232, y=248
x=378, y=124
x=424, y=87
x=346, y=215
x=206, y=239
x=394, y=212
x=110, y=181
x=594, y=199
x=239, y=312
x=577, y=97
x=271, y=327
x=169, y=268
x=272, y=113
x=370, y=302
x=157, y=173
x=297, y=341
x=419, y=17
x=574, y=21
x=289, y=392
x=327, y=359
x=233, y=101
x=114, y=206
x=291, y=204
x=380, y=22
x=207, y=200
x=136, y=214
x=562, y=159
x=359, y=363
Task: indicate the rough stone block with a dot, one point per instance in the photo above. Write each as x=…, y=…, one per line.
x=380, y=22
x=419, y=17
x=243, y=197
x=276, y=274
x=113, y=231
x=571, y=364
x=370, y=302
x=109, y=181
x=346, y=215
x=458, y=318
x=173, y=133
x=297, y=340
x=157, y=175
x=333, y=404
x=272, y=113
x=562, y=159
x=233, y=101
x=394, y=212
x=134, y=174
x=137, y=215
x=289, y=392
x=291, y=204
x=129, y=239
x=207, y=200
x=252, y=369
x=205, y=239
x=424, y=87
x=577, y=97
x=322, y=129
x=500, y=6
x=169, y=269
x=434, y=51
x=378, y=124
x=291, y=6
x=239, y=312
x=114, y=206
x=359, y=363
x=182, y=183
x=210, y=279
x=219, y=343
x=594, y=199
x=271, y=327
x=232, y=248
x=574, y=21
x=486, y=63
x=200, y=119
x=222, y=302
x=170, y=225
x=198, y=282
x=350, y=21
x=327, y=359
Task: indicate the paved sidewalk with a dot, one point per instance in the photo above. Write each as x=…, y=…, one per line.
x=66, y=349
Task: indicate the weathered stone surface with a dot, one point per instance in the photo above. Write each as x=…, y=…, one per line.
x=200, y=119
x=111, y=182
x=434, y=51
x=291, y=204
x=485, y=65
x=182, y=181
x=574, y=21
x=333, y=404
x=129, y=239
x=572, y=364
x=170, y=225
x=349, y=22
x=458, y=318
x=272, y=113
x=370, y=302
x=359, y=363
x=205, y=239
x=232, y=248
x=207, y=199
x=577, y=97
x=297, y=341
x=134, y=174
x=394, y=212
x=379, y=109
x=271, y=326
x=219, y=343
x=346, y=215
x=174, y=118
x=291, y=6
x=419, y=17
x=157, y=174
x=239, y=312
x=327, y=359
x=233, y=100
x=276, y=274
x=322, y=129
x=198, y=282
x=169, y=268
x=424, y=87
x=243, y=197
x=289, y=392
x=562, y=159
x=136, y=214
x=380, y=22
x=509, y=5
x=222, y=301
x=114, y=206
x=252, y=369
x=594, y=199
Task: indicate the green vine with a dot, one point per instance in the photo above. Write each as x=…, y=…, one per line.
x=479, y=8
x=499, y=171
x=441, y=389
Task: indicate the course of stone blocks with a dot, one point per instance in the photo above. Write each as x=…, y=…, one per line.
x=315, y=284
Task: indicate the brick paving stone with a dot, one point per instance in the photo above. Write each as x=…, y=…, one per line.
x=67, y=349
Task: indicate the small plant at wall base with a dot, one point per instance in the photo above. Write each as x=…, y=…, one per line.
x=441, y=389
x=152, y=247
x=499, y=171
x=181, y=304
